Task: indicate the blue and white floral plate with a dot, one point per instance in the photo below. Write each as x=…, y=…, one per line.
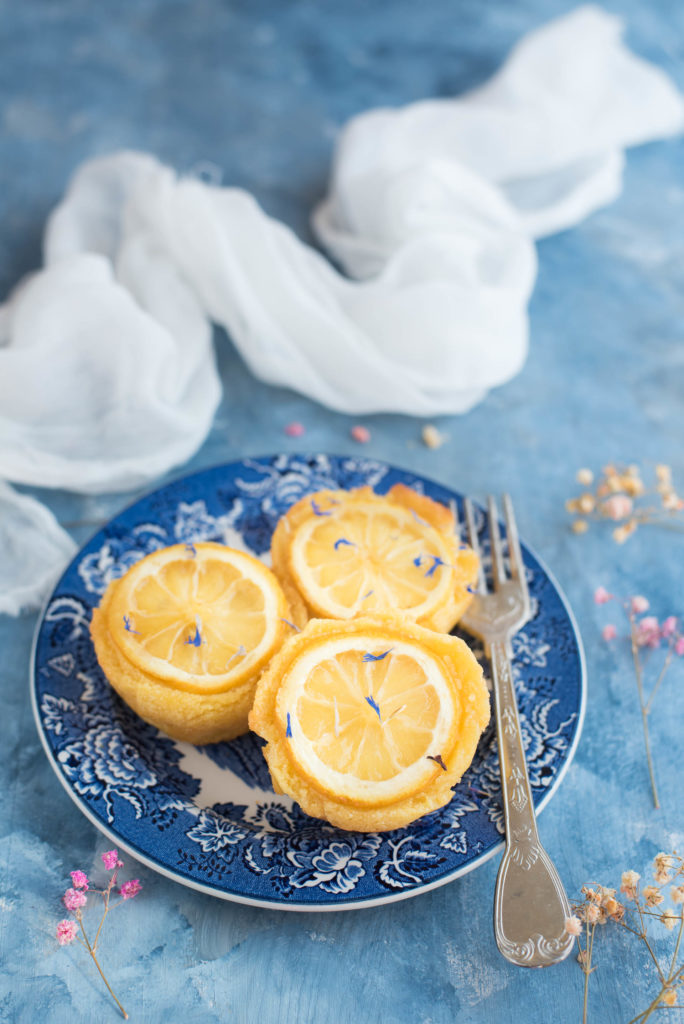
x=207, y=816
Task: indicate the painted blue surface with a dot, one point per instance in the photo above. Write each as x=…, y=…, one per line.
x=260, y=90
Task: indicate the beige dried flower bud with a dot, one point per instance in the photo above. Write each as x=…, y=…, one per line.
x=677, y=894
x=669, y=997
x=663, y=474
x=573, y=925
x=670, y=501
x=652, y=895
x=580, y=526
x=621, y=533
x=633, y=486
x=432, y=437
x=662, y=866
x=669, y=919
x=630, y=880
x=585, y=477
x=586, y=503
x=592, y=913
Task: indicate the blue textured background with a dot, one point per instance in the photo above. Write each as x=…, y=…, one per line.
x=260, y=89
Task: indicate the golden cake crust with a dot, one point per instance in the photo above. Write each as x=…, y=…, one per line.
x=465, y=677
x=194, y=717
x=462, y=559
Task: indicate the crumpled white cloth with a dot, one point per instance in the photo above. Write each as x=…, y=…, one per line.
x=107, y=374
x=34, y=550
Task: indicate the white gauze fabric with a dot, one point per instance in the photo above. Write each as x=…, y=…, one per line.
x=107, y=374
x=34, y=549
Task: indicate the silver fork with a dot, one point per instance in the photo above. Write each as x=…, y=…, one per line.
x=530, y=905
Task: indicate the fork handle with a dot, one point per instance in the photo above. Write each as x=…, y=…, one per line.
x=530, y=905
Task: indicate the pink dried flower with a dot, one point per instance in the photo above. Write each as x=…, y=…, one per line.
x=130, y=889
x=110, y=859
x=573, y=925
x=601, y=595
x=679, y=646
x=609, y=632
x=639, y=605
x=648, y=632
x=79, y=879
x=73, y=899
x=618, y=506
x=294, y=429
x=360, y=434
x=66, y=932
x=669, y=627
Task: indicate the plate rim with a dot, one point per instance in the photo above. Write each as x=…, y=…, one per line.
x=264, y=904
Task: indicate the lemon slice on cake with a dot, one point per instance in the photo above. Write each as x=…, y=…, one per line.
x=343, y=553
x=184, y=635
x=370, y=722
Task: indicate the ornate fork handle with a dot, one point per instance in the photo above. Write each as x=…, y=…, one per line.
x=530, y=905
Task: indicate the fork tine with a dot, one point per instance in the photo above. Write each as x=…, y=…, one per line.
x=474, y=543
x=498, y=570
x=514, y=553
x=457, y=519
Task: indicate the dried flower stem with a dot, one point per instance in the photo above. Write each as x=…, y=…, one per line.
x=587, y=968
x=91, y=950
x=600, y=907
x=75, y=899
x=666, y=665
x=644, y=707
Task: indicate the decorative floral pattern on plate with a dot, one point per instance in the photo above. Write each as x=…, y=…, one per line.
x=207, y=816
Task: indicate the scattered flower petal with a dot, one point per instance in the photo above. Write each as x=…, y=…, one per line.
x=432, y=437
x=601, y=595
x=294, y=429
x=609, y=632
x=360, y=434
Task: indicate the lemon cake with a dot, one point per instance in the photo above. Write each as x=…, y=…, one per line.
x=369, y=722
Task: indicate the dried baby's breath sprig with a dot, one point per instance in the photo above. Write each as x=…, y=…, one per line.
x=621, y=497
x=600, y=906
x=75, y=900
x=645, y=634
